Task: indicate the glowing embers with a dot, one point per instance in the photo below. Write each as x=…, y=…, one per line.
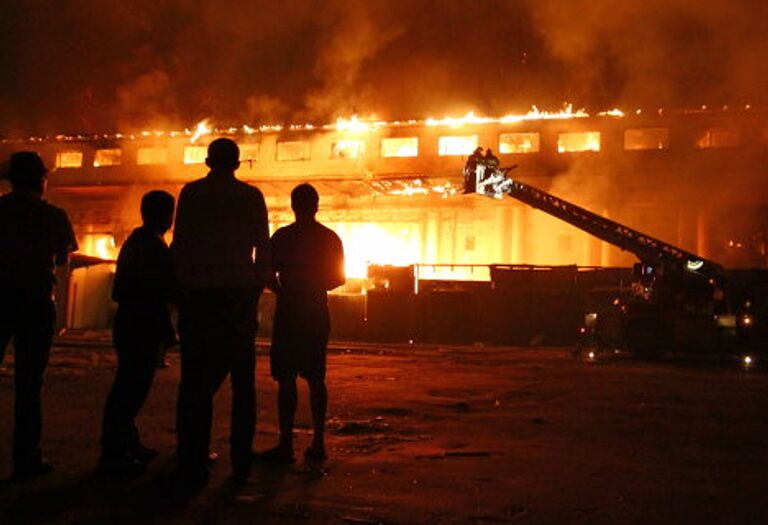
x=383, y=243
x=195, y=154
x=457, y=145
x=347, y=149
x=147, y=156
x=400, y=147
x=409, y=187
x=575, y=142
x=293, y=150
x=717, y=138
x=646, y=139
x=519, y=142
x=69, y=159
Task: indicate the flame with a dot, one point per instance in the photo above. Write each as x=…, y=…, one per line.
x=357, y=124
x=534, y=114
x=99, y=245
x=365, y=243
x=351, y=124
x=455, y=122
x=615, y=112
x=202, y=128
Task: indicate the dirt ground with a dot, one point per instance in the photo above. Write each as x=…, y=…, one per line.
x=431, y=435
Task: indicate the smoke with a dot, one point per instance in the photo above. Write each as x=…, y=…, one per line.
x=87, y=66
x=147, y=101
x=659, y=52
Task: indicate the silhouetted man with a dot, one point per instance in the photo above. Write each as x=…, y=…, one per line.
x=35, y=241
x=307, y=262
x=144, y=287
x=220, y=223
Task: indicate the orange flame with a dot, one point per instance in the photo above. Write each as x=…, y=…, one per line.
x=203, y=128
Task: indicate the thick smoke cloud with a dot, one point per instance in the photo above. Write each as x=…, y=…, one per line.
x=94, y=66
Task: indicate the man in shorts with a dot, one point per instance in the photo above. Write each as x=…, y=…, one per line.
x=307, y=262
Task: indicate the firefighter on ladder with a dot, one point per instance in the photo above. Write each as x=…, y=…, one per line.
x=473, y=170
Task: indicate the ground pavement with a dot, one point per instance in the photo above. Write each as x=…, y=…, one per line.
x=430, y=435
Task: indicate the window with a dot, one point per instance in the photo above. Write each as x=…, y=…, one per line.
x=69, y=159
x=717, y=138
x=195, y=154
x=249, y=152
x=646, y=138
x=294, y=150
x=400, y=147
x=151, y=156
x=457, y=145
x=518, y=143
x=581, y=141
x=347, y=149
x=107, y=157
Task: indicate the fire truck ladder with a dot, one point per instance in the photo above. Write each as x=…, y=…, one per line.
x=649, y=250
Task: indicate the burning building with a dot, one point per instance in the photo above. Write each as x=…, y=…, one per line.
x=392, y=191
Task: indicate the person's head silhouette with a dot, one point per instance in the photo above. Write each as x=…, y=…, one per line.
x=223, y=155
x=157, y=210
x=26, y=171
x=304, y=201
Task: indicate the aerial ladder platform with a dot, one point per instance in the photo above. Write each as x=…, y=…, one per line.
x=672, y=285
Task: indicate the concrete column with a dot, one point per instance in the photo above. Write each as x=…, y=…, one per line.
x=517, y=235
x=702, y=235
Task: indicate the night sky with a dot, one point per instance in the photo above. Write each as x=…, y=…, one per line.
x=123, y=65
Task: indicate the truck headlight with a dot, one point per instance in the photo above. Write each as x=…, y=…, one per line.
x=746, y=320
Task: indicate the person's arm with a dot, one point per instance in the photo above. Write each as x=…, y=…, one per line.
x=65, y=243
x=261, y=241
x=273, y=282
x=179, y=228
x=336, y=274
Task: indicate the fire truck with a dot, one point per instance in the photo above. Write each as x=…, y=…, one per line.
x=677, y=301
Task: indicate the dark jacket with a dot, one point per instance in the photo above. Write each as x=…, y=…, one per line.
x=145, y=286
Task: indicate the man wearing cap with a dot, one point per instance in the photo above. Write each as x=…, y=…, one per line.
x=35, y=241
x=221, y=254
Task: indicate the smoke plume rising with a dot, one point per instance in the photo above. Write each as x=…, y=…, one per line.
x=91, y=66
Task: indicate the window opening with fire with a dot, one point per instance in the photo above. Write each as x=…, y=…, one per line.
x=146, y=156
x=575, y=142
x=400, y=147
x=347, y=149
x=293, y=150
x=195, y=154
x=717, y=138
x=646, y=139
x=249, y=152
x=69, y=159
x=457, y=145
x=519, y=143
x=107, y=157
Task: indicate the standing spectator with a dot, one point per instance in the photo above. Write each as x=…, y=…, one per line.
x=307, y=262
x=35, y=241
x=144, y=288
x=221, y=253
